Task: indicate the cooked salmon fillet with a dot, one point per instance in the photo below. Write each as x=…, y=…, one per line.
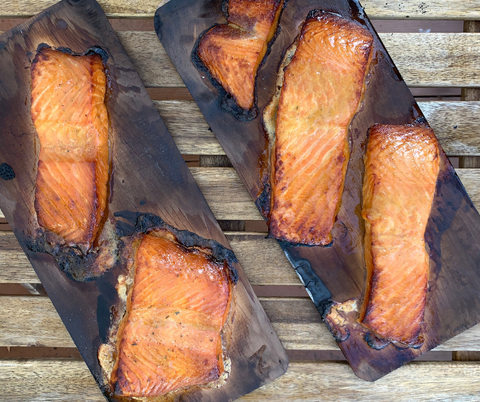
x=172, y=333
x=70, y=117
x=401, y=169
x=233, y=52
x=322, y=88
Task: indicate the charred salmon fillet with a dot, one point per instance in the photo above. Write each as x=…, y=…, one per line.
x=322, y=88
x=70, y=117
x=233, y=52
x=401, y=169
x=171, y=336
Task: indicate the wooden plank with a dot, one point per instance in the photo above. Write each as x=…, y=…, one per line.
x=295, y=320
x=229, y=200
x=376, y=9
x=433, y=59
x=68, y=380
x=150, y=175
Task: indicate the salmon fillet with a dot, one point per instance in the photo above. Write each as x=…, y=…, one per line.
x=233, y=52
x=322, y=88
x=70, y=117
x=401, y=169
x=172, y=334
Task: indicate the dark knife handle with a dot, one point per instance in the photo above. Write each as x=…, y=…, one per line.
x=316, y=289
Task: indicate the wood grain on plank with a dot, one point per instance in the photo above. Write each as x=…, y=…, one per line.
x=376, y=9
x=423, y=59
x=296, y=322
x=68, y=380
x=229, y=200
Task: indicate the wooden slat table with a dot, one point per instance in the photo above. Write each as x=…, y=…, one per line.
x=38, y=360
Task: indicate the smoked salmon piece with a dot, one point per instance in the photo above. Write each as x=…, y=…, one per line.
x=233, y=52
x=401, y=169
x=70, y=117
x=322, y=88
x=179, y=304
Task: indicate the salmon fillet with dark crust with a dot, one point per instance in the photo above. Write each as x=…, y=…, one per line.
x=171, y=336
x=401, y=169
x=233, y=52
x=322, y=88
x=70, y=117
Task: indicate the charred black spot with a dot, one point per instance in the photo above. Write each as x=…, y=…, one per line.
x=263, y=201
x=6, y=172
x=43, y=46
x=375, y=342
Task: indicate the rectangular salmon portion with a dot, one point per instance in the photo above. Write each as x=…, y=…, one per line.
x=172, y=334
x=70, y=117
x=322, y=88
x=401, y=169
x=233, y=52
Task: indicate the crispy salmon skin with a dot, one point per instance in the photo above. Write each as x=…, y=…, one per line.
x=70, y=117
x=322, y=89
x=233, y=52
x=171, y=336
x=401, y=169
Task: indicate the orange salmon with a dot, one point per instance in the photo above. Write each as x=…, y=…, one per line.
x=322, y=88
x=70, y=117
x=172, y=332
x=233, y=52
x=401, y=169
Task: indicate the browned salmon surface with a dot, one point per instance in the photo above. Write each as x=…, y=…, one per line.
x=232, y=53
x=322, y=88
x=70, y=117
x=172, y=335
x=401, y=169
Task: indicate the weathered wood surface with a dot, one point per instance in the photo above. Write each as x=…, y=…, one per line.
x=229, y=200
x=456, y=124
x=295, y=320
x=262, y=259
x=376, y=9
x=67, y=380
x=423, y=59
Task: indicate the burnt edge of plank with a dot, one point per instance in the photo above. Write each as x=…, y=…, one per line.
x=144, y=222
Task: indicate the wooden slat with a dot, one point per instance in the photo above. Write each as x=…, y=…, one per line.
x=190, y=131
x=262, y=260
x=376, y=9
x=456, y=124
x=67, y=380
x=423, y=59
x=295, y=320
x=229, y=199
